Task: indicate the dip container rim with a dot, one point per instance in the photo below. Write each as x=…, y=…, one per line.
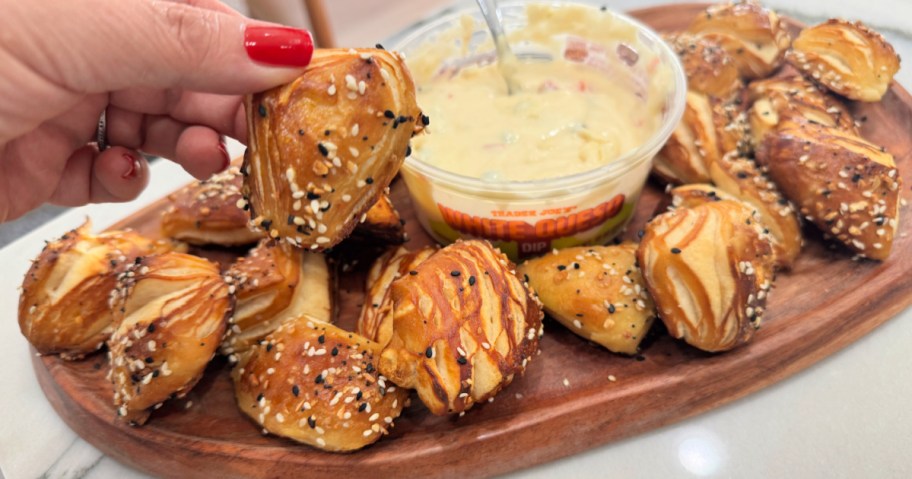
x=615, y=168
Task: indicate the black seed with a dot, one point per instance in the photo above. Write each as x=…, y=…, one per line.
x=413, y=273
x=149, y=360
x=295, y=390
x=260, y=397
x=429, y=352
x=323, y=150
x=262, y=110
x=675, y=250
x=389, y=114
x=326, y=132
x=268, y=347
x=461, y=360
x=359, y=396
x=318, y=379
x=454, y=273
x=301, y=132
x=425, y=120
x=471, y=281
x=290, y=220
x=742, y=175
x=561, y=267
x=151, y=328
x=408, y=151
x=362, y=407
x=575, y=265
x=155, y=373
x=266, y=224
x=611, y=309
x=334, y=352
x=855, y=178
x=369, y=180
x=312, y=422
x=322, y=338
x=369, y=368
x=379, y=47
x=312, y=196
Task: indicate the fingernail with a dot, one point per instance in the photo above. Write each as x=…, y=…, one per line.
x=133, y=166
x=226, y=160
x=280, y=46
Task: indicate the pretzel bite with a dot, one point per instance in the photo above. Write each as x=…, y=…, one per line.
x=275, y=282
x=846, y=57
x=753, y=35
x=323, y=147
x=463, y=326
x=171, y=311
x=740, y=177
x=210, y=212
x=796, y=99
x=710, y=293
x=63, y=308
x=382, y=225
x=845, y=185
x=709, y=128
x=597, y=292
x=691, y=195
x=317, y=384
x=709, y=68
x=375, y=322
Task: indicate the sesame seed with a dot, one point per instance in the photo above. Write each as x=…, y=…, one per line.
x=350, y=83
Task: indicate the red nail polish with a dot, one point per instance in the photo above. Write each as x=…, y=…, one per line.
x=280, y=46
x=226, y=159
x=133, y=166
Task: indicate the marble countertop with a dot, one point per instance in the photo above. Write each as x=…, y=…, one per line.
x=847, y=416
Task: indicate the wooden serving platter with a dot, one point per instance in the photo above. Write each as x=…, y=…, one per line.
x=563, y=405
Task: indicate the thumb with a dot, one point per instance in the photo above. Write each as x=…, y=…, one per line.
x=102, y=45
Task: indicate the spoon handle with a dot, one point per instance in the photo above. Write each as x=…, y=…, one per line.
x=506, y=60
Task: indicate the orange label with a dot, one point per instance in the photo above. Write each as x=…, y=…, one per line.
x=503, y=229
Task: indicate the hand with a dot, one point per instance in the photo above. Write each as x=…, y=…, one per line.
x=169, y=75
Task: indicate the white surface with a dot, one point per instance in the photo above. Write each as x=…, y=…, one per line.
x=848, y=416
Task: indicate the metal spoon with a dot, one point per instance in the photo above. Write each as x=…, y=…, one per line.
x=506, y=60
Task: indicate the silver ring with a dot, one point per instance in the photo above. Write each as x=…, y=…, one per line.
x=101, y=133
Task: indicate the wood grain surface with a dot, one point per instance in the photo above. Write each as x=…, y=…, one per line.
x=563, y=405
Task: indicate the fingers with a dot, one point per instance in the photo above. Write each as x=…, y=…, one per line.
x=125, y=127
x=198, y=149
x=223, y=113
x=117, y=174
x=99, y=46
x=215, y=5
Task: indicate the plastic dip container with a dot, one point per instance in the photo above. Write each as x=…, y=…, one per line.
x=528, y=216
